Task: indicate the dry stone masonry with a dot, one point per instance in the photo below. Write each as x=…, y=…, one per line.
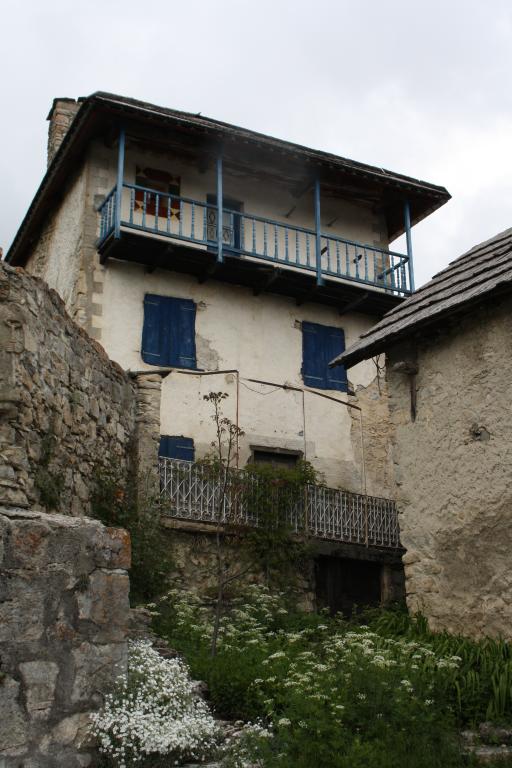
x=63, y=621
x=66, y=412
x=65, y=408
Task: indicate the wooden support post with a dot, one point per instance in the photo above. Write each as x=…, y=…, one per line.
x=220, y=256
x=119, y=187
x=407, y=221
x=319, y=278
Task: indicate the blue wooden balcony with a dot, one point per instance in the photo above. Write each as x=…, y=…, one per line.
x=229, y=234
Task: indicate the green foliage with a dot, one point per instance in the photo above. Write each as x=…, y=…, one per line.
x=49, y=483
x=483, y=687
x=276, y=494
x=335, y=693
x=120, y=504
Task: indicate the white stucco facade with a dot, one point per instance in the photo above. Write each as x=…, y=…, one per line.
x=260, y=337
x=270, y=199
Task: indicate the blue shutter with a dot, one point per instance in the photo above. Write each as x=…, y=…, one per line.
x=176, y=447
x=151, y=331
x=335, y=345
x=312, y=356
x=320, y=345
x=168, y=334
x=183, y=333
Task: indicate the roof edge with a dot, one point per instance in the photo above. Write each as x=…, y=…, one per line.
x=360, y=350
x=102, y=99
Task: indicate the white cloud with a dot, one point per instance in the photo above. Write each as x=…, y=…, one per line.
x=420, y=88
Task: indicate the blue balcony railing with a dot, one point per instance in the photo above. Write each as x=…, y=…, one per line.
x=244, y=234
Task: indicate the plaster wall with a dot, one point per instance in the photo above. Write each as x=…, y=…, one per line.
x=454, y=470
x=65, y=254
x=56, y=255
x=233, y=328
x=261, y=337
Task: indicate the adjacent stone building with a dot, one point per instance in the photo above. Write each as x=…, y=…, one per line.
x=448, y=355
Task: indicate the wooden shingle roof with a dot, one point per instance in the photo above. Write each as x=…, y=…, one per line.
x=483, y=271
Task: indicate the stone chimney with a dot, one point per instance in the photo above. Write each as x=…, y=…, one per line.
x=61, y=116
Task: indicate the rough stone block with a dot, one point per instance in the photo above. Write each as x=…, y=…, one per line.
x=39, y=678
x=14, y=724
x=29, y=544
x=96, y=666
x=22, y=609
x=112, y=548
x=105, y=604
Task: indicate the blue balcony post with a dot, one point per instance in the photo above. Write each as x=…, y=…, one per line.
x=119, y=187
x=407, y=221
x=220, y=257
x=319, y=278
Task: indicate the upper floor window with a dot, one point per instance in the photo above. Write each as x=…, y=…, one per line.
x=162, y=182
x=320, y=345
x=168, y=334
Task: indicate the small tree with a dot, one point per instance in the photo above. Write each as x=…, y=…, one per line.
x=271, y=497
x=225, y=449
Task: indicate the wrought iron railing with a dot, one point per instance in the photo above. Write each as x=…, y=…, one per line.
x=194, y=492
x=193, y=221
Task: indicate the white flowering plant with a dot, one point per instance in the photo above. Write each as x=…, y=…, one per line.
x=332, y=692
x=153, y=712
x=354, y=695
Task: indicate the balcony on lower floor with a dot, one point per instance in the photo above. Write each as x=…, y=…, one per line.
x=171, y=231
x=193, y=493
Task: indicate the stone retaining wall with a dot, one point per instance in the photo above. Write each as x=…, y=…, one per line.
x=65, y=408
x=63, y=622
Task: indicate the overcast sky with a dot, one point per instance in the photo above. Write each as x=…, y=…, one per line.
x=423, y=88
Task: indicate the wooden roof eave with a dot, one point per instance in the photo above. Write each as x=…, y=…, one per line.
x=99, y=110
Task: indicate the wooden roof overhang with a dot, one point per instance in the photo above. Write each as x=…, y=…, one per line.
x=101, y=115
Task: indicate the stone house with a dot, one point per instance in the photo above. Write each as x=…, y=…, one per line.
x=448, y=350
x=206, y=257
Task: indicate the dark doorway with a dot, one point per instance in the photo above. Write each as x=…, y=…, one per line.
x=343, y=585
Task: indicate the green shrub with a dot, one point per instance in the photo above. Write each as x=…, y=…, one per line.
x=118, y=503
x=482, y=689
x=335, y=695
x=278, y=491
x=49, y=483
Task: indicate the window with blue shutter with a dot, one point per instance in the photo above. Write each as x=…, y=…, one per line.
x=176, y=447
x=168, y=334
x=320, y=345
